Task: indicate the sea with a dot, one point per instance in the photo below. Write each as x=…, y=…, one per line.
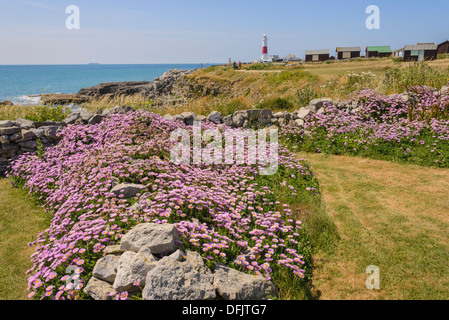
x=23, y=84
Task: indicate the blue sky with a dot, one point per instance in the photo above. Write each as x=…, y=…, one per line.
x=198, y=31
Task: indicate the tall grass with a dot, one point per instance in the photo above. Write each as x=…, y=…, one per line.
x=399, y=80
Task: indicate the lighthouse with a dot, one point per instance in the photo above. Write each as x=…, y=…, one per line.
x=265, y=48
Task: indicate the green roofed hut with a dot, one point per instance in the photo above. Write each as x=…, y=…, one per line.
x=378, y=51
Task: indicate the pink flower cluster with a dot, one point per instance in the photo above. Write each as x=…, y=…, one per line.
x=228, y=213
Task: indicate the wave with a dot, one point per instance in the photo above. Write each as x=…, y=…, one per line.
x=26, y=100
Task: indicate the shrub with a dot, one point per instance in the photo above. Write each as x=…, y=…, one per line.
x=305, y=95
x=48, y=113
x=275, y=104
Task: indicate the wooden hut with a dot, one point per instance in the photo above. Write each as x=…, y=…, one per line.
x=421, y=52
x=344, y=53
x=378, y=51
x=317, y=55
x=443, y=47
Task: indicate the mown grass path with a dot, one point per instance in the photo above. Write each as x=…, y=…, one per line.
x=20, y=222
x=389, y=215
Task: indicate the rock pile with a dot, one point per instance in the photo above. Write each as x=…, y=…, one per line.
x=149, y=261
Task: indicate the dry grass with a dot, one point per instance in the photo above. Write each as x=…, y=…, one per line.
x=389, y=215
x=12, y=112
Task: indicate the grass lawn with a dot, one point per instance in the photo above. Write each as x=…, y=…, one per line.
x=20, y=222
x=389, y=215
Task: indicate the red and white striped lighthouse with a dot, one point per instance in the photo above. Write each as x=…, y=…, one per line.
x=265, y=48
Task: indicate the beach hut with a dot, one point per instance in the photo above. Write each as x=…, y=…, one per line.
x=443, y=47
x=317, y=55
x=421, y=52
x=399, y=53
x=344, y=53
x=378, y=51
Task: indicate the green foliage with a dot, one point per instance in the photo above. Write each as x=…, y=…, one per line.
x=40, y=149
x=275, y=104
x=418, y=74
x=305, y=95
x=414, y=152
x=231, y=107
x=48, y=113
x=291, y=75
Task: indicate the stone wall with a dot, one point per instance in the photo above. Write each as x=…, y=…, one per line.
x=24, y=136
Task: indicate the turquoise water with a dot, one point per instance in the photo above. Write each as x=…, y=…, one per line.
x=21, y=84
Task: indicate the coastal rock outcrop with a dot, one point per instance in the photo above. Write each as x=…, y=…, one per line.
x=161, y=86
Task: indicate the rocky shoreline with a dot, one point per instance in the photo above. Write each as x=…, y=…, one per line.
x=158, y=89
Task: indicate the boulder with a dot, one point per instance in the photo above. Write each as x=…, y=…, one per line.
x=16, y=136
x=7, y=124
x=25, y=124
x=179, y=255
x=196, y=262
x=106, y=268
x=235, y=285
x=215, y=117
x=40, y=124
x=189, y=118
x=115, y=250
x=238, y=118
x=178, y=117
x=228, y=121
x=445, y=90
x=96, y=119
x=174, y=280
x=27, y=135
x=85, y=115
x=38, y=133
x=122, y=280
x=117, y=110
x=51, y=132
x=133, y=267
x=159, y=238
x=303, y=113
x=9, y=130
x=264, y=117
x=98, y=289
x=5, y=139
x=30, y=144
x=128, y=190
x=72, y=118
x=319, y=103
